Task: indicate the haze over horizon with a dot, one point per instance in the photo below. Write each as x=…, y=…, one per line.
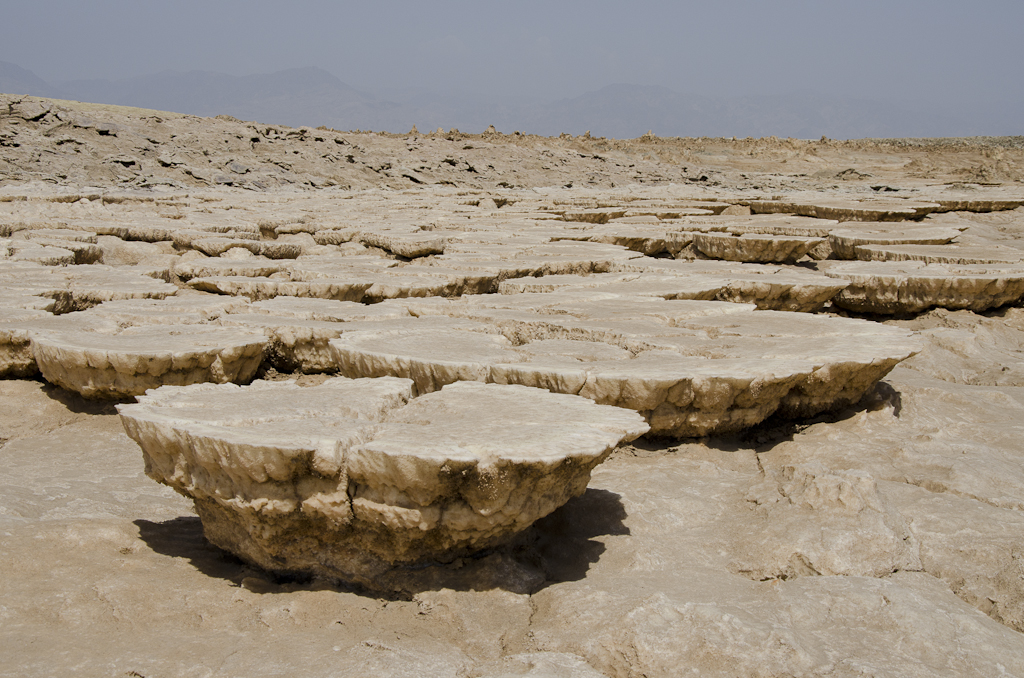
x=738, y=67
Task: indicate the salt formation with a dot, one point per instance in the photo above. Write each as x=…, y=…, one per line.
x=883, y=537
x=352, y=478
x=847, y=210
x=913, y=286
x=640, y=284
x=20, y=328
x=16, y=359
x=768, y=249
x=845, y=240
x=101, y=365
x=775, y=288
x=76, y=288
x=339, y=289
x=212, y=267
x=647, y=239
x=690, y=368
x=940, y=254
x=179, y=309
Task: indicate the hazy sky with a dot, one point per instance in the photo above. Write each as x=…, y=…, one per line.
x=864, y=48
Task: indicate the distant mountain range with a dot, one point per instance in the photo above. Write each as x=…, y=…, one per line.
x=312, y=96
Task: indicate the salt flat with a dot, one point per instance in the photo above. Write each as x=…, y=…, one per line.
x=620, y=407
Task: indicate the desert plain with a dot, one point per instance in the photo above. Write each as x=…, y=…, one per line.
x=468, y=405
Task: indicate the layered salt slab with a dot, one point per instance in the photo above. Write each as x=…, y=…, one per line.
x=294, y=344
x=667, y=287
x=648, y=240
x=325, y=309
x=355, y=278
x=755, y=248
x=216, y=267
x=409, y=244
x=159, y=231
x=100, y=365
x=913, y=286
x=91, y=285
x=185, y=309
x=16, y=359
x=844, y=241
x=847, y=210
x=81, y=287
x=425, y=281
x=341, y=289
x=60, y=234
x=783, y=290
x=217, y=239
x=773, y=288
x=214, y=247
x=940, y=254
x=779, y=224
x=12, y=299
x=298, y=343
x=352, y=479
x=690, y=368
x=32, y=252
x=357, y=286
x=674, y=238
x=19, y=327
x=218, y=246
x=84, y=252
x=555, y=258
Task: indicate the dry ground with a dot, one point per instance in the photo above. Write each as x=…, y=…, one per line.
x=886, y=538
